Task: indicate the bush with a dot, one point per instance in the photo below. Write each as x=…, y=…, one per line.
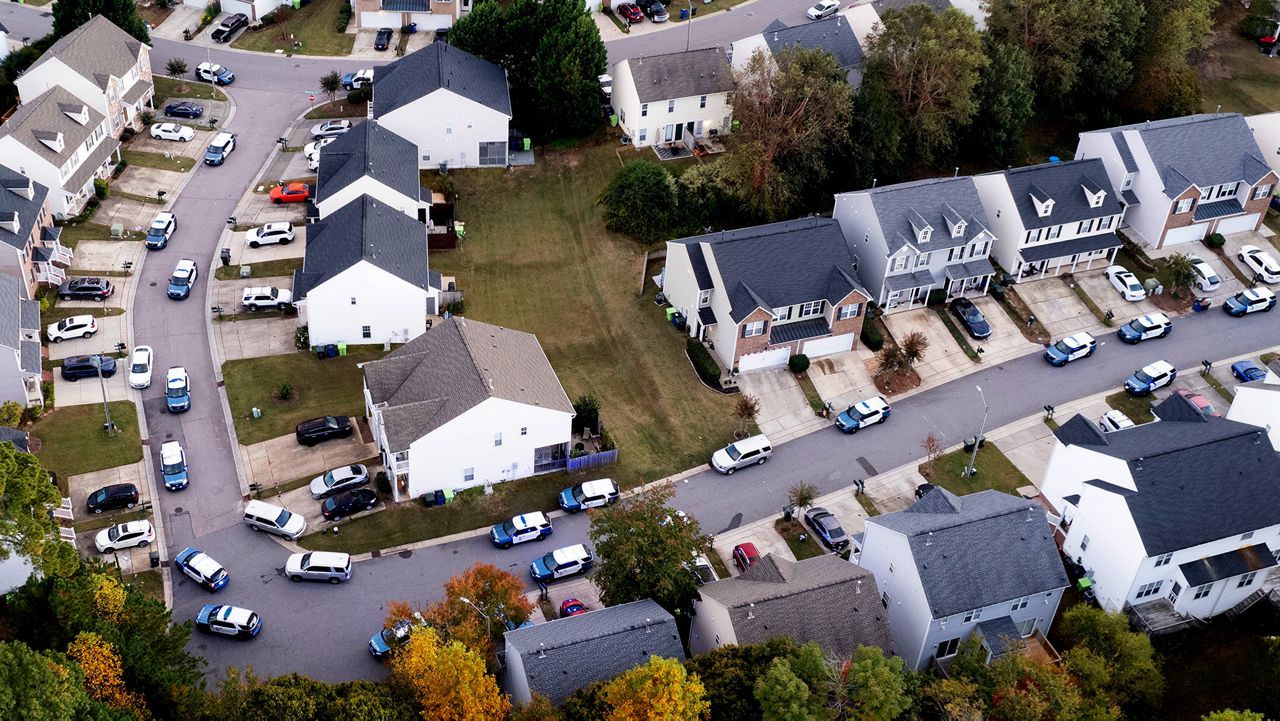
x=937, y=296
x=640, y=202
x=798, y=363
x=46, y=389
x=586, y=413
x=383, y=483
x=90, y=206
x=1215, y=240
x=703, y=363
x=285, y=391
x=871, y=337
x=344, y=18
x=302, y=338
x=101, y=189
x=147, y=117
x=359, y=96
x=10, y=414
x=1255, y=26
x=120, y=166
x=457, y=307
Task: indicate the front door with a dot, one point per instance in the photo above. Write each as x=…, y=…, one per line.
x=679, y=132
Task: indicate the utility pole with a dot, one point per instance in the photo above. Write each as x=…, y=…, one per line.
x=107, y=425
x=973, y=458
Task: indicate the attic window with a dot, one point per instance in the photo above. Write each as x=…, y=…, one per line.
x=923, y=234
x=957, y=230
x=26, y=190
x=53, y=141
x=1095, y=199
x=1043, y=209
x=9, y=221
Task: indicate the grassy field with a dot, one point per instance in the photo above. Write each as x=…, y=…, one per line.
x=791, y=532
x=149, y=582
x=177, y=163
x=1137, y=408
x=314, y=26
x=169, y=88
x=265, y=269
x=73, y=441
x=1233, y=74
x=995, y=470
x=72, y=234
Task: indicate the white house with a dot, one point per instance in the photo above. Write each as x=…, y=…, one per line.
x=672, y=98
x=371, y=160
x=29, y=247
x=395, y=14
x=466, y=404
x=1173, y=521
x=1258, y=403
x=364, y=278
x=20, y=365
x=103, y=66
x=453, y=105
x=1184, y=178
x=835, y=34
x=951, y=567
x=253, y=9
x=1052, y=218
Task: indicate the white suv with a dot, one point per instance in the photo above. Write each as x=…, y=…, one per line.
x=266, y=296
x=275, y=232
x=77, y=326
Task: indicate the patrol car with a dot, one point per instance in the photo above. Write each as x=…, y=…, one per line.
x=592, y=494
x=1079, y=345
x=1156, y=375
x=177, y=390
x=562, y=562
x=200, y=568
x=1151, y=325
x=863, y=414
x=526, y=527
x=1250, y=301
x=229, y=621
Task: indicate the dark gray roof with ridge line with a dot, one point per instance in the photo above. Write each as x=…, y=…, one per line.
x=680, y=75
x=832, y=34
x=439, y=65
x=1201, y=150
x=364, y=230
x=1063, y=182
x=13, y=188
x=927, y=200
x=372, y=150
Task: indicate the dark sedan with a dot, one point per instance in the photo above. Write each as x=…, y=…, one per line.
x=318, y=430
x=348, y=504
x=87, y=288
x=828, y=529
x=383, y=39
x=86, y=366
x=971, y=318
x=183, y=109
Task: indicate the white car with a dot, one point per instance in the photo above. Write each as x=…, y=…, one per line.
x=312, y=149
x=134, y=534
x=77, y=326
x=1261, y=263
x=862, y=414
x=330, y=129
x=1207, y=280
x=214, y=73
x=823, y=9
x=172, y=131
x=1114, y=421
x=1125, y=282
x=313, y=163
x=275, y=232
x=141, y=362
x=265, y=296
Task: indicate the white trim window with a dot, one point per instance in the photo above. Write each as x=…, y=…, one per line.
x=948, y=648
x=753, y=329
x=704, y=298
x=1261, y=192
x=468, y=475
x=1105, y=223
x=811, y=308
x=1163, y=560
x=1202, y=591
x=974, y=615
x=849, y=311
x=644, y=135
x=783, y=313
x=1149, y=589
x=702, y=102
x=1020, y=604
x=922, y=260
x=671, y=106
x=900, y=263
x=1247, y=579
x=497, y=439
x=644, y=110
x=1054, y=232
x=1183, y=206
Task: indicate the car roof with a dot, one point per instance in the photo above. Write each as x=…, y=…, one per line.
x=275, y=225
x=329, y=558
x=185, y=264
x=170, y=447
x=875, y=403
x=234, y=614
x=1118, y=417
x=576, y=552
x=176, y=373
x=137, y=350
x=1153, y=319
x=132, y=526
x=204, y=564
x=529, y=520
x=1158, y=367
x=751, y=443
x=602, y=485
x=162, y=218
x=748, y=548
x=221, y=138
x=1259, y=293
x=1079, y=339
x=79, y=319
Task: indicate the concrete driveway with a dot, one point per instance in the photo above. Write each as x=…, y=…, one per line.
x=82, y=485
x=1058, y=307
x=1236, y=241
x=299, y=500
x=96, y=256
x=89, y=390
x=116, y=300
x=228, y=293
x=111, y=330
x=257, y=208
x=283, y=459
x=128, y=560
x=134, y=215
x=843, y=379
x=193, y=148
x=242, y=254
x=783, y=406
x=216, y=110
x=944, y=355
x=256, y=337
x=146, y=181
x=1006, y=339
x=1230, y=283
x=1107, y=298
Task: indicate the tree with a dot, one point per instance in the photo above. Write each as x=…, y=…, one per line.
x=1164, y=83
x=660, y=690
x=445, y=681
x=539, y=708
x=784, y=697
x=1181, y=273
x=729, y=675
x=1233, y=715
x=41, y=687
x=1006, y=103
x=914, y=347
x=10, y=414
x=176, y=69
x=953, y=699
x=245, y=697
x=26, y=526
x=1052, y=33
x=498, y=597
x=642, y=548
x=873, y=687
x=331, y=83
x=1108, y=659
x=706, y=202
x=745, y=409
x=103, y=675
x=641, y=202
x=1106, y=55
x=569, y=64
x=890, y=360
x=876, y=148
x=71, y=14
x=802, y=495
x=1026, y=690
x=933, y=448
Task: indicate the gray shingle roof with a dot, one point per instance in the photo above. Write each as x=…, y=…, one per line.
x=699, y=265
x=780, y=264
x=96, y=48
x=1085, y=244
x=368, y=230
x=833, y=34
x=1001, y=635
x=907, y=281
x=372, y=150
x=824, y=599
x=10, y=310
x=453, y=367
x=976, y=268
x=1126, y=154
x=1064, y=183
x=566, y=654
x=977, y=550
x=439, y=65
x=16, y=437
x=44, y=117
x=1226, y=565
x=29, y=355
x=29, y=315
x=13, y=189
x=1201, y=150
x=896, y=205
x=680, y=75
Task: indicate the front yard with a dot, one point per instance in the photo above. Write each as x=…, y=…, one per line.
x=1138, y=408
x=315, y=26
x=73, y=442
x=995, y=471
x=186, y=88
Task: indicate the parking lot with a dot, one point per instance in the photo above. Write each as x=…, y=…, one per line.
x=111, y=330
x=283, y=459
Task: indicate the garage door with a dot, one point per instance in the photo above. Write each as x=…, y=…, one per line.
x=431, y=21
x=1185, y=235
x=767, y=359
x=827, y=346
x=373, y=20
x=1238, y=225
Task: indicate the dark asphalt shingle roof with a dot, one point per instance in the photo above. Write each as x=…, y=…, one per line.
x=372, y=150
x=363, y=230
x=907, y=281
x=680, y=75
x=1227, y=565
x=94, y=49
x=439, y=65
x=699, y=265
x=976, y=268
x=1201, y=150
x=1001, y=635
x=29, y=315
x=13, y=189
x=1065, y=183
x=930, y=201
x=1085, y=244
x=564, y=655
x=833, y=34
x=16, y=437
x=29, y=355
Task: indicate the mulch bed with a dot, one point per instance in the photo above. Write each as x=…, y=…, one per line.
x=897, y=382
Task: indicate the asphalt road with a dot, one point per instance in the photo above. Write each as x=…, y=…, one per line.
x=716, y=29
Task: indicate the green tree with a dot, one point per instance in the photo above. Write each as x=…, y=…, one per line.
x=1181, y=273
x=877, y=144
x=1052, y=32
x=706, y=202
x=874, y=687
x=569, y=64
x=1233, y=715
x=1026, y=690
x=1106, y=55
x=641, y=202
x=176, y=70
x=245, y=697
x=26, y=528
x=730, y=674
x=43, y=687
x=1164, y=83
x=1006, y=103
x=784, y=697
x=1108, y=659
x=10, y=414
x=331, y=83
x=71, y=14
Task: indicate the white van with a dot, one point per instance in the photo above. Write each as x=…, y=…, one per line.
x=263, y=516
x=738, y=454
x=318, y=566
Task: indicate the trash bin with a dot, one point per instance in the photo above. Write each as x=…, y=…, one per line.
x=684, y=14
x=678, y=320
x=671, y=313
x=331, y=350
x=528, y=143
x=413, y=28
x=155, y=559
x=225, y=255
x=342, y=349
x=971, y=441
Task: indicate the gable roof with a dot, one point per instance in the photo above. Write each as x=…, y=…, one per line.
x=439, y=65
x=680, y=75
x=365, y=229
x=368, y=149
x=566, y=654
x=16, y=437
x=780, y=264
x=13, y=187
x=824, y=599
x=46, y=117
x=452, y=368
x=977, y=550
x=833, y=34
x=1201, y=150
x=1065, y=184
x=96, y=50
x=928, y=201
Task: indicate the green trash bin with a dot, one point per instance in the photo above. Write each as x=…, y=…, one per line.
x=528, y=143
x=671, y=312
x=613, y=120
x=342, y=348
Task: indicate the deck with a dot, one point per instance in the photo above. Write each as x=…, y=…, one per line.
x=1157, y=618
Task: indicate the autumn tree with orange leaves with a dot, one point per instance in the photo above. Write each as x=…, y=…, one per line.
x=445, y=680
x=498, y=597
x=103, y=677
x=660, y=690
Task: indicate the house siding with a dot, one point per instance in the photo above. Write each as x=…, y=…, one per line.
x=365, y=185
x=909, y=616
x=1041, y=607
x=395, y=310
x=711, y=628
x=447, y=128
x=626, y=104
x=754, y=344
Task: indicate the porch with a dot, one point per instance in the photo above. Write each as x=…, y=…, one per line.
x=969, y=279
x=1035, y=648
x=682, y=140
x=51, y=257
x=1043, y=260
x=906, y=291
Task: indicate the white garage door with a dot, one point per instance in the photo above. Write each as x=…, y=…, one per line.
x=1238, y=225
x=431, y=21
x=1185, y=235
x=827, y=346
x=767, y=359
x=374, y=20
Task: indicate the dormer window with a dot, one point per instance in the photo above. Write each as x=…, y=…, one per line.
x=957, y=230
x=1045, y=209
x=9, y=221
x=19, y=187
x=923, y=234
x=78, y=113
x=921, y=227
x=51, y=140
x=1095, y=199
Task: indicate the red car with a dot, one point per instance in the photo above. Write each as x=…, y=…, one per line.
x=1201, y=403
x=745, y=555
x=291, y=193
x=631, y=13
x=572, y=607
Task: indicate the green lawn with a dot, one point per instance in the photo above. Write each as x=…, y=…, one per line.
x=1235, y=75
x=177, y=163
x=73, y=441
x=265, y=269
x=57, y=313
x=995, y=470
x=339, y=108
x=149, y=582
x=169, y=88
x=72, y=234
x=1266, y=358
x=320, y=387
x=791, y=531
x=1137, y=408
x=315, y=26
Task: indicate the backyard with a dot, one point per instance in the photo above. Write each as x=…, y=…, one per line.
x=72, y=440
x=315, y=26
x=1233, y=74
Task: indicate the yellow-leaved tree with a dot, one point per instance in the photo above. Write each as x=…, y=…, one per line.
x=661, y=690
x=108, y=598
x=445, y=681
x=103, y=678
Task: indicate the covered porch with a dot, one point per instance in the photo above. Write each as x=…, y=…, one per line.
x=969, y=279
x=1000, y=637
x=906, y=291
x=1039, y=261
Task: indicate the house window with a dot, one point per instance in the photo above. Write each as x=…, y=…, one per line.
x=704, y=298
x=1033, y=236
x=644, y=110
x=644, y=133
x=448, y=128
x=955, y=254
x=884, y=599
x=753, y=329
x=1202, y=591
x=1020, y=604
x=809, y=309
x=922, y=260
x=366, y=331
x=353, y=301
x=1247, y=579
x=1206, y=194
x=702, y=102
x=948, y=648
x=890, y=569
x=468, y=475
x=1261, y=192
x=622, y=116
x=866, y=237
x=1174, y=592
x=1149, y=589
x=849, y=311
x=1246, y=535
x=1183, y=206
x=980, y=249
x=1225, y=190
x=900, y=263
x=402, y=456
x=782, y=313
x=1084, y=543
x=974, y=615
x=524, y=430
x=671, y=106
x=1105, y=223
x=1163, y=560
x=1054, y=232
x=497, y=439
x=1085, y=226
x=1128, y=182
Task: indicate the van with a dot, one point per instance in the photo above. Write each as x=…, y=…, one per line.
x=263, y=516
x=738, y=454
x=219, y=149
x=318, y=566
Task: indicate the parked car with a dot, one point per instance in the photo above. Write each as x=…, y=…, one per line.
x=109, y=498
x=177, y=390
x=172, y=131
x=132, y=534
x=518, y=529
x=141, y=362
x=86, y=288
x=1206, y=279
x=265, y=296
x=1149, y=378
x=825, y=524
x=590, y=494
x=1201, y=403
x=348, y=503
x=339, y=479
x=330, y=129
x=263, y=516
x=738, y=454
x=394, y=636
x=862, y=414
x=184, y=277
x=382, y=40
x=214, y=73
x=654, y=10
x=630, y=12
x=77, y=326
x=1247, y=371
x=318, y=430
x=162, y=227
x=202, y=569
x=1248, y=301
x=87, y=366
x=1144, y=327
x=562, y=562
x=745, y=556
x=184, y=109
x=572, y=607
x=1125, y=282
x=228, y=27
x=313, y=163
x=230, y=621
x=974, y=322
x=1261, y=262
x=278, y=231
x=1077, y=345
x=824, y=8
x=318, y=566
x=219, y=148
x=291, y=193
x=1114, y=421
x=358, y=79
x=702, y=570
x=173, y=466
x=312, y=149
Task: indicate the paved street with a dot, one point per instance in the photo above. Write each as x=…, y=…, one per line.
x=716, y=29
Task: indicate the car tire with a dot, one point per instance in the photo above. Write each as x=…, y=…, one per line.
x=57, y=339
x=255, y=529
x=730, y=471
x=98, y=299
x=64, y=297
x=89, y=334
x=97, y=511
x=370, y=506
x=255, y=244
x=761, y=461
x=130, y=505
x=277, y=201
x=282, y=307
x=335, y=581
x=110, y=550
x=285, y=241
x=144, y=544
x=295, y=578
x=540, y=539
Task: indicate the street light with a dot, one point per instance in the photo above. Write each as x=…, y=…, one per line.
x=973, y=458
x=488, y=632
x=107, y=426
x=688, y=37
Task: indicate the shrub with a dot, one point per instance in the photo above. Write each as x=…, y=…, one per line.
x=1255, y=26
x=798, y=363
x=302, y=338
x=871, y=337
x=120, y=166
x=101, y=189
x=937, y=296
x=640, y=202
x=1215, y=240
x=344, y=18
x=359, y=96
x=457, y=307
x=383, y=483
x=46, y=389
x=10, y=414
x=586, y=413
x=703, y=363
x=92, y=205
x=285, y=391
x=147, y=117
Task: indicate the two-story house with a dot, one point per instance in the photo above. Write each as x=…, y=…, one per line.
x=759, y=295
x=1052, y=218
x=466, y=404
x=951, y=567
x=1258, y=403
x=672, y=98
x=912, y=238
x=1174, y=520
x=30, y=251
x=426, y=14
x=1185, y=178
x=835, y=35
x=371, y=160
x=20, y=365
x=103, y=66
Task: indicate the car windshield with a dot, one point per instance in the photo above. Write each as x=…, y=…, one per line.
x=179, y=280
x=172, y=468
x=139, y=367
x=549, y=561
x=1142, y=377
x=98, y=496
x=330, y=479
x=831, y=525
x=282, y=520
x=733, y=451
x=1137, y=326
x=578, y=494
x=64, y=324
x=508, y=528
x=114, y=532
x=176, y=390
x=1063, y=347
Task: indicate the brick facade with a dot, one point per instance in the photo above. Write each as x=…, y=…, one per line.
x=850, y=325
x=754, y=344
x=1180, y=220
x=1260, y=205
x=760, y=343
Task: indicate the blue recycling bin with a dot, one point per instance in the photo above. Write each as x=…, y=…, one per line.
x=413, y=28
x=331, y=350
x=684, y=14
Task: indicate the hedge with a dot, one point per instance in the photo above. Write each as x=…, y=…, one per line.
x=706, y=366
x=871, y=337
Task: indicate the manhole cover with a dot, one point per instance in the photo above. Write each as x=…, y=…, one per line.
x=177, y=511
x=405, y=554
x=154, y=285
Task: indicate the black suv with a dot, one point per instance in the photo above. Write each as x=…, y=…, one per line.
x=317, y=430
x=229, y=27
x=383, y=40
x=118, y=495
x=82, y=366
x=91, y=288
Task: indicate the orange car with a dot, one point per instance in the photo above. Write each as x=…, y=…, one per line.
x=291, y=193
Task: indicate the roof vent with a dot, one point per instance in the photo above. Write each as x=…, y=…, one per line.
x=928, y=541
x=542, y=650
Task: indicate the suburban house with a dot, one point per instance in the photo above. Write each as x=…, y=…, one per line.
x=834, y=34
x=253, y=9
x=1258, y=403
x=61, y=143
x=101, y=65
x=30, y=251
x=953, y=567
x=454, y=106
x=20, y=364
x=364, y=278
x=371, y=160
x=824, y=599
x=1052, y=218
x=466, y=404
x=1173, y=521
x=426, y=14
x=759, y=295
x=1266, y=134
x=1185, y=178
x=912, y=238
x=558, y=657
x=672, y=98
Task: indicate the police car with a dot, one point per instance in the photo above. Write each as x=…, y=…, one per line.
x=1151, y=325
x=229, y=621
x=562, y=562
x=1156, y=375
x=527, y=527
x=183, y=278
x=177, y=390
x=200, y=568
x=862, y=414
x=1114, y=421
x=1079, y=345
x=161, y=229
x=173, y=466
x=1250, y=301
x=592, y=494
x=389, y=639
